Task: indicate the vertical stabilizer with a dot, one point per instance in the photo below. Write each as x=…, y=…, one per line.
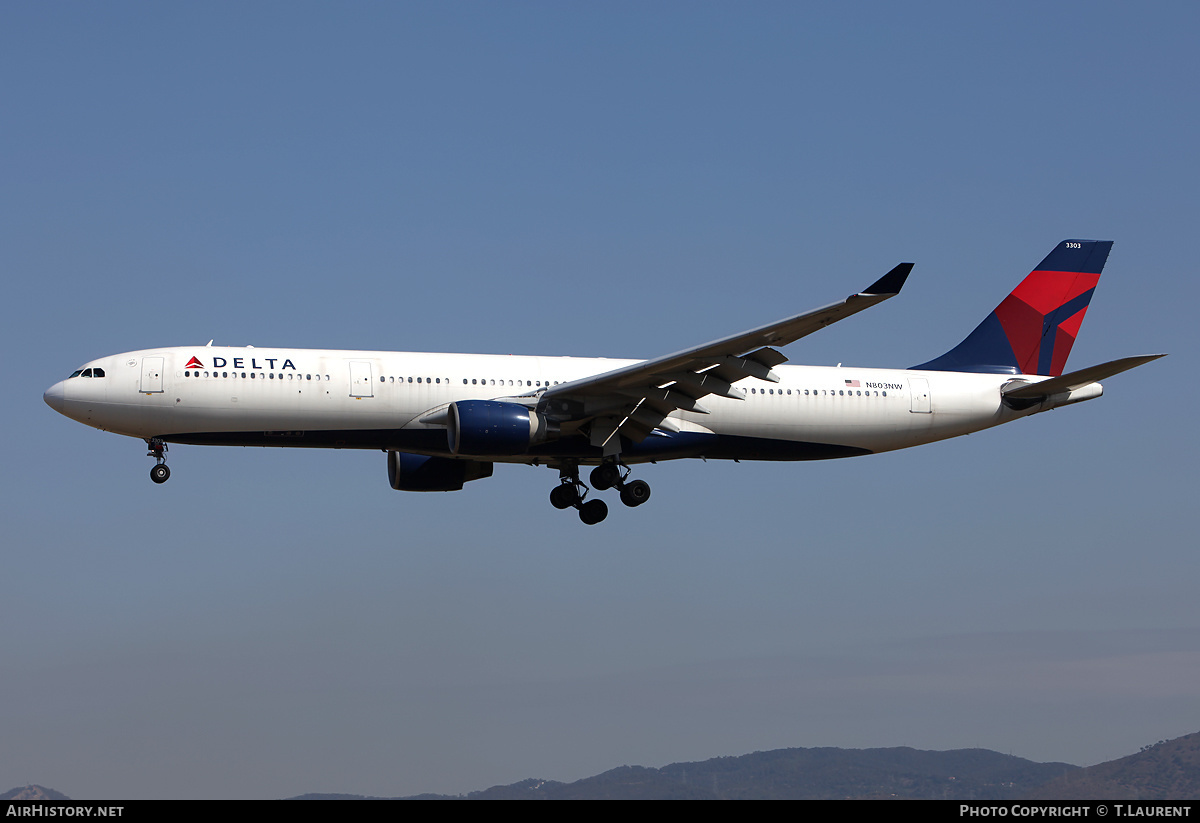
x=1032, y=331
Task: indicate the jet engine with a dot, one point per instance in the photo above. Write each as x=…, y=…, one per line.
x=418, y=473
x=482, y=427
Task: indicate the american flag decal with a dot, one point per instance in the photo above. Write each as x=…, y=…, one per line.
x=853, y=383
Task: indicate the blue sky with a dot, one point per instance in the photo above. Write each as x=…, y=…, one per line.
x=620, y=180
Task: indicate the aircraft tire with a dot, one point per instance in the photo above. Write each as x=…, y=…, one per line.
x=636, y=493
x=564, y=496
x=605, y=476
x=160, y=473
x=593, y=511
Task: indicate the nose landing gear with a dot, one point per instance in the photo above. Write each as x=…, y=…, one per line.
x=159, y=473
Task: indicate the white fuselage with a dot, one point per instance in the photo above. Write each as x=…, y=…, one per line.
x=364, y=399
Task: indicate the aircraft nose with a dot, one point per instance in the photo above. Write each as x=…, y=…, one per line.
x=55, y=397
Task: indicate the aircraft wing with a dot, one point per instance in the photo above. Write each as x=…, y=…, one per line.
x=636, y=399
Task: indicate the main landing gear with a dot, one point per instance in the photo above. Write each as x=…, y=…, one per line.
x=571, y=491
x=608, y=475
x=160, y=473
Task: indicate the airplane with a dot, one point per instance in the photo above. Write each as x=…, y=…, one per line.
x=445, y=419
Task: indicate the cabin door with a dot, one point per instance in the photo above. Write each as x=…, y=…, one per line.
x=360, y=379
x=152, y=375
x=919, y=390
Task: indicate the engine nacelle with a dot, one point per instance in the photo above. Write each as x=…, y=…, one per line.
x=485, y=427
x=418, y=473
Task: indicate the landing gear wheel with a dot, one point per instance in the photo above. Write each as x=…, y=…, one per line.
x=605, y=476
x=593, y=511
x=564, y=496
x=635, y=493
x=158, y=450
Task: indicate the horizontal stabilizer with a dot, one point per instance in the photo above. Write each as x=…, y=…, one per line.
x=1075, y=380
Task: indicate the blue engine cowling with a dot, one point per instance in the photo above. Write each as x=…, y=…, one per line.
x=483, y=427
x=418, y=473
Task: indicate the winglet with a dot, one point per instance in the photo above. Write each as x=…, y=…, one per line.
x=892, y=282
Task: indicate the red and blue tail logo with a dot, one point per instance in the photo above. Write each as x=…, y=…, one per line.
x=1033, y=330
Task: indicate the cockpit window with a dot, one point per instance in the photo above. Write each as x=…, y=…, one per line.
x=87, y=373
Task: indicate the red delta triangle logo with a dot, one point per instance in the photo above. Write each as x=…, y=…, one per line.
x=194, y=364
